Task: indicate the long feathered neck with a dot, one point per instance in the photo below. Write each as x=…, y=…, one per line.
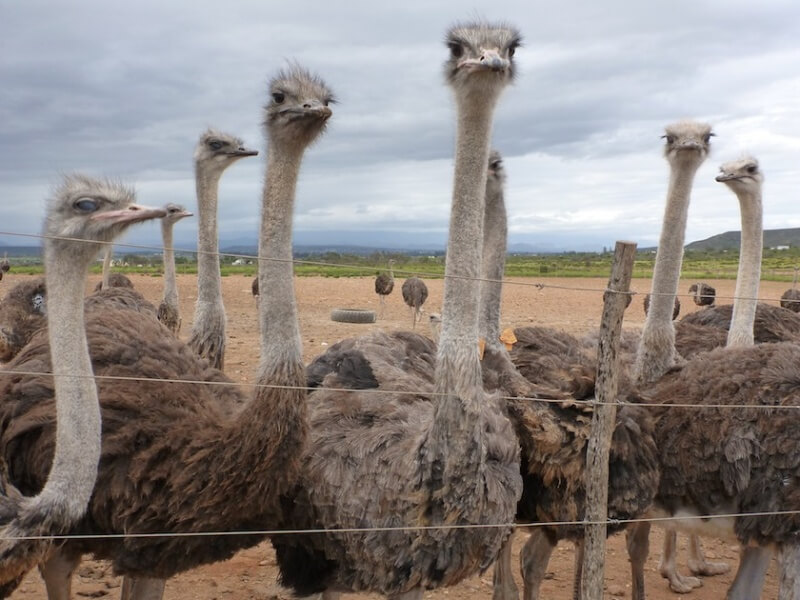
x=495, y=238
x=656, y=353
x=454, y=448
x=74, y=470
x=170, y=284
x=749, y=275
x=208, y=325
x=280, y=333
x=272, y=431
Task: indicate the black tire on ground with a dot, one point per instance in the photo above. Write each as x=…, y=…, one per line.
x=353, y=315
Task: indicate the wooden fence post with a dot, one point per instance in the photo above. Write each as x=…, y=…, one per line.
x=603, y=418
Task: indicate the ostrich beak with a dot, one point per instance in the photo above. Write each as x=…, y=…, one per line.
x=135, y=213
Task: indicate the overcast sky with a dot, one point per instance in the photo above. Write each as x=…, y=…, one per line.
x=125, y=89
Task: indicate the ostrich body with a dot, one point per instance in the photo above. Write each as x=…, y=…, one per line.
x=772, y=323
x=702, y=294
x=175, y=459
x=791, y=297
x=95, y=211
x=384, y=284
x=168, y=310
x=401, y=461
x=215, y=152
x=5, y=266
x=415, y=292
x=22, y=312
x=113, y=280
x=676, y=309
x=553, y=441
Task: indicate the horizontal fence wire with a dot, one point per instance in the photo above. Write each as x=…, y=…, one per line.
x=560, y=401
x=275, y=532
x=371, y=268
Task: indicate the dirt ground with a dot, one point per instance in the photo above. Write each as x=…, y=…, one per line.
x=572, y=304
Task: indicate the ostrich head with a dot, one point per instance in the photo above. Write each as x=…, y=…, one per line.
x=175, y=212
x=217, y=151
x=96, y=210
x=743, y=175
x=481, y=57
x=687, y=141
x=496, y=175
x=298, y=107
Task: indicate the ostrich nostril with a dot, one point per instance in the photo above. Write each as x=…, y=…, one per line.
x=306, y=106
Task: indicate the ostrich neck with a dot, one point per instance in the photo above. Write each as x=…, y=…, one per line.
x=495, y=237
x=274, y=428
x=657, y=348
x=454, y=447
x=209, y=281
x=170, y=285
x=74, y=470
x=749, y=274
x=280, y=335
x=107, y=252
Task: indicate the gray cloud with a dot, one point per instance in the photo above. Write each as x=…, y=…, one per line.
x=125, y=90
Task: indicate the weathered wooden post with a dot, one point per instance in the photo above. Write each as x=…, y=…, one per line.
x=615, y=300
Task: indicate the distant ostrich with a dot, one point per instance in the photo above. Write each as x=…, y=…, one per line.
x=791, y=297
x=254, y=287
x=95, y=211
x=168, y=310
x=384, y=284
x=415, y=292
x=173, y=460
x=702, y=294
x=22, y=312
x=215, y=152
x=109, y=279
x=553, y=441
x=5, y=266
x=395, y=462
x=676, y=310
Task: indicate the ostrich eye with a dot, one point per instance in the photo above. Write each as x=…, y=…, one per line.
x=278, y=97
x=455, y=49
x=511, y=50
x=670, y=138
x=215, y=144
x=752, y=169
x=496, y=164
x=86, y=205
x=707, y=138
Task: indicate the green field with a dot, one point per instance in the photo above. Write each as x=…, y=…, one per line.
x=776, y=266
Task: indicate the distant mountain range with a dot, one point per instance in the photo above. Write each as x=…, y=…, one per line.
x=433, y=243
x=730, y=240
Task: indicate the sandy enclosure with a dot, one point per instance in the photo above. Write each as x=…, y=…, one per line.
x=571, y=304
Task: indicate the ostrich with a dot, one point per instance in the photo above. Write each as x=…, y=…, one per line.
x=791, y=297
x=393, y=462
x=168, y=310
x=215, y=152
x=553, y=441
x=384, y=284
x=22, y=312
x=415, y=292
x=173, y=460
x=95, y=211
x=5, y=266
x=109, y=279
x=702, y=294
x=746, y=467
x=676, y=309
x=254, y=287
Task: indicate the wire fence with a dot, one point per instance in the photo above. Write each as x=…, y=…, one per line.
x=591, y=402
x=370, y=269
